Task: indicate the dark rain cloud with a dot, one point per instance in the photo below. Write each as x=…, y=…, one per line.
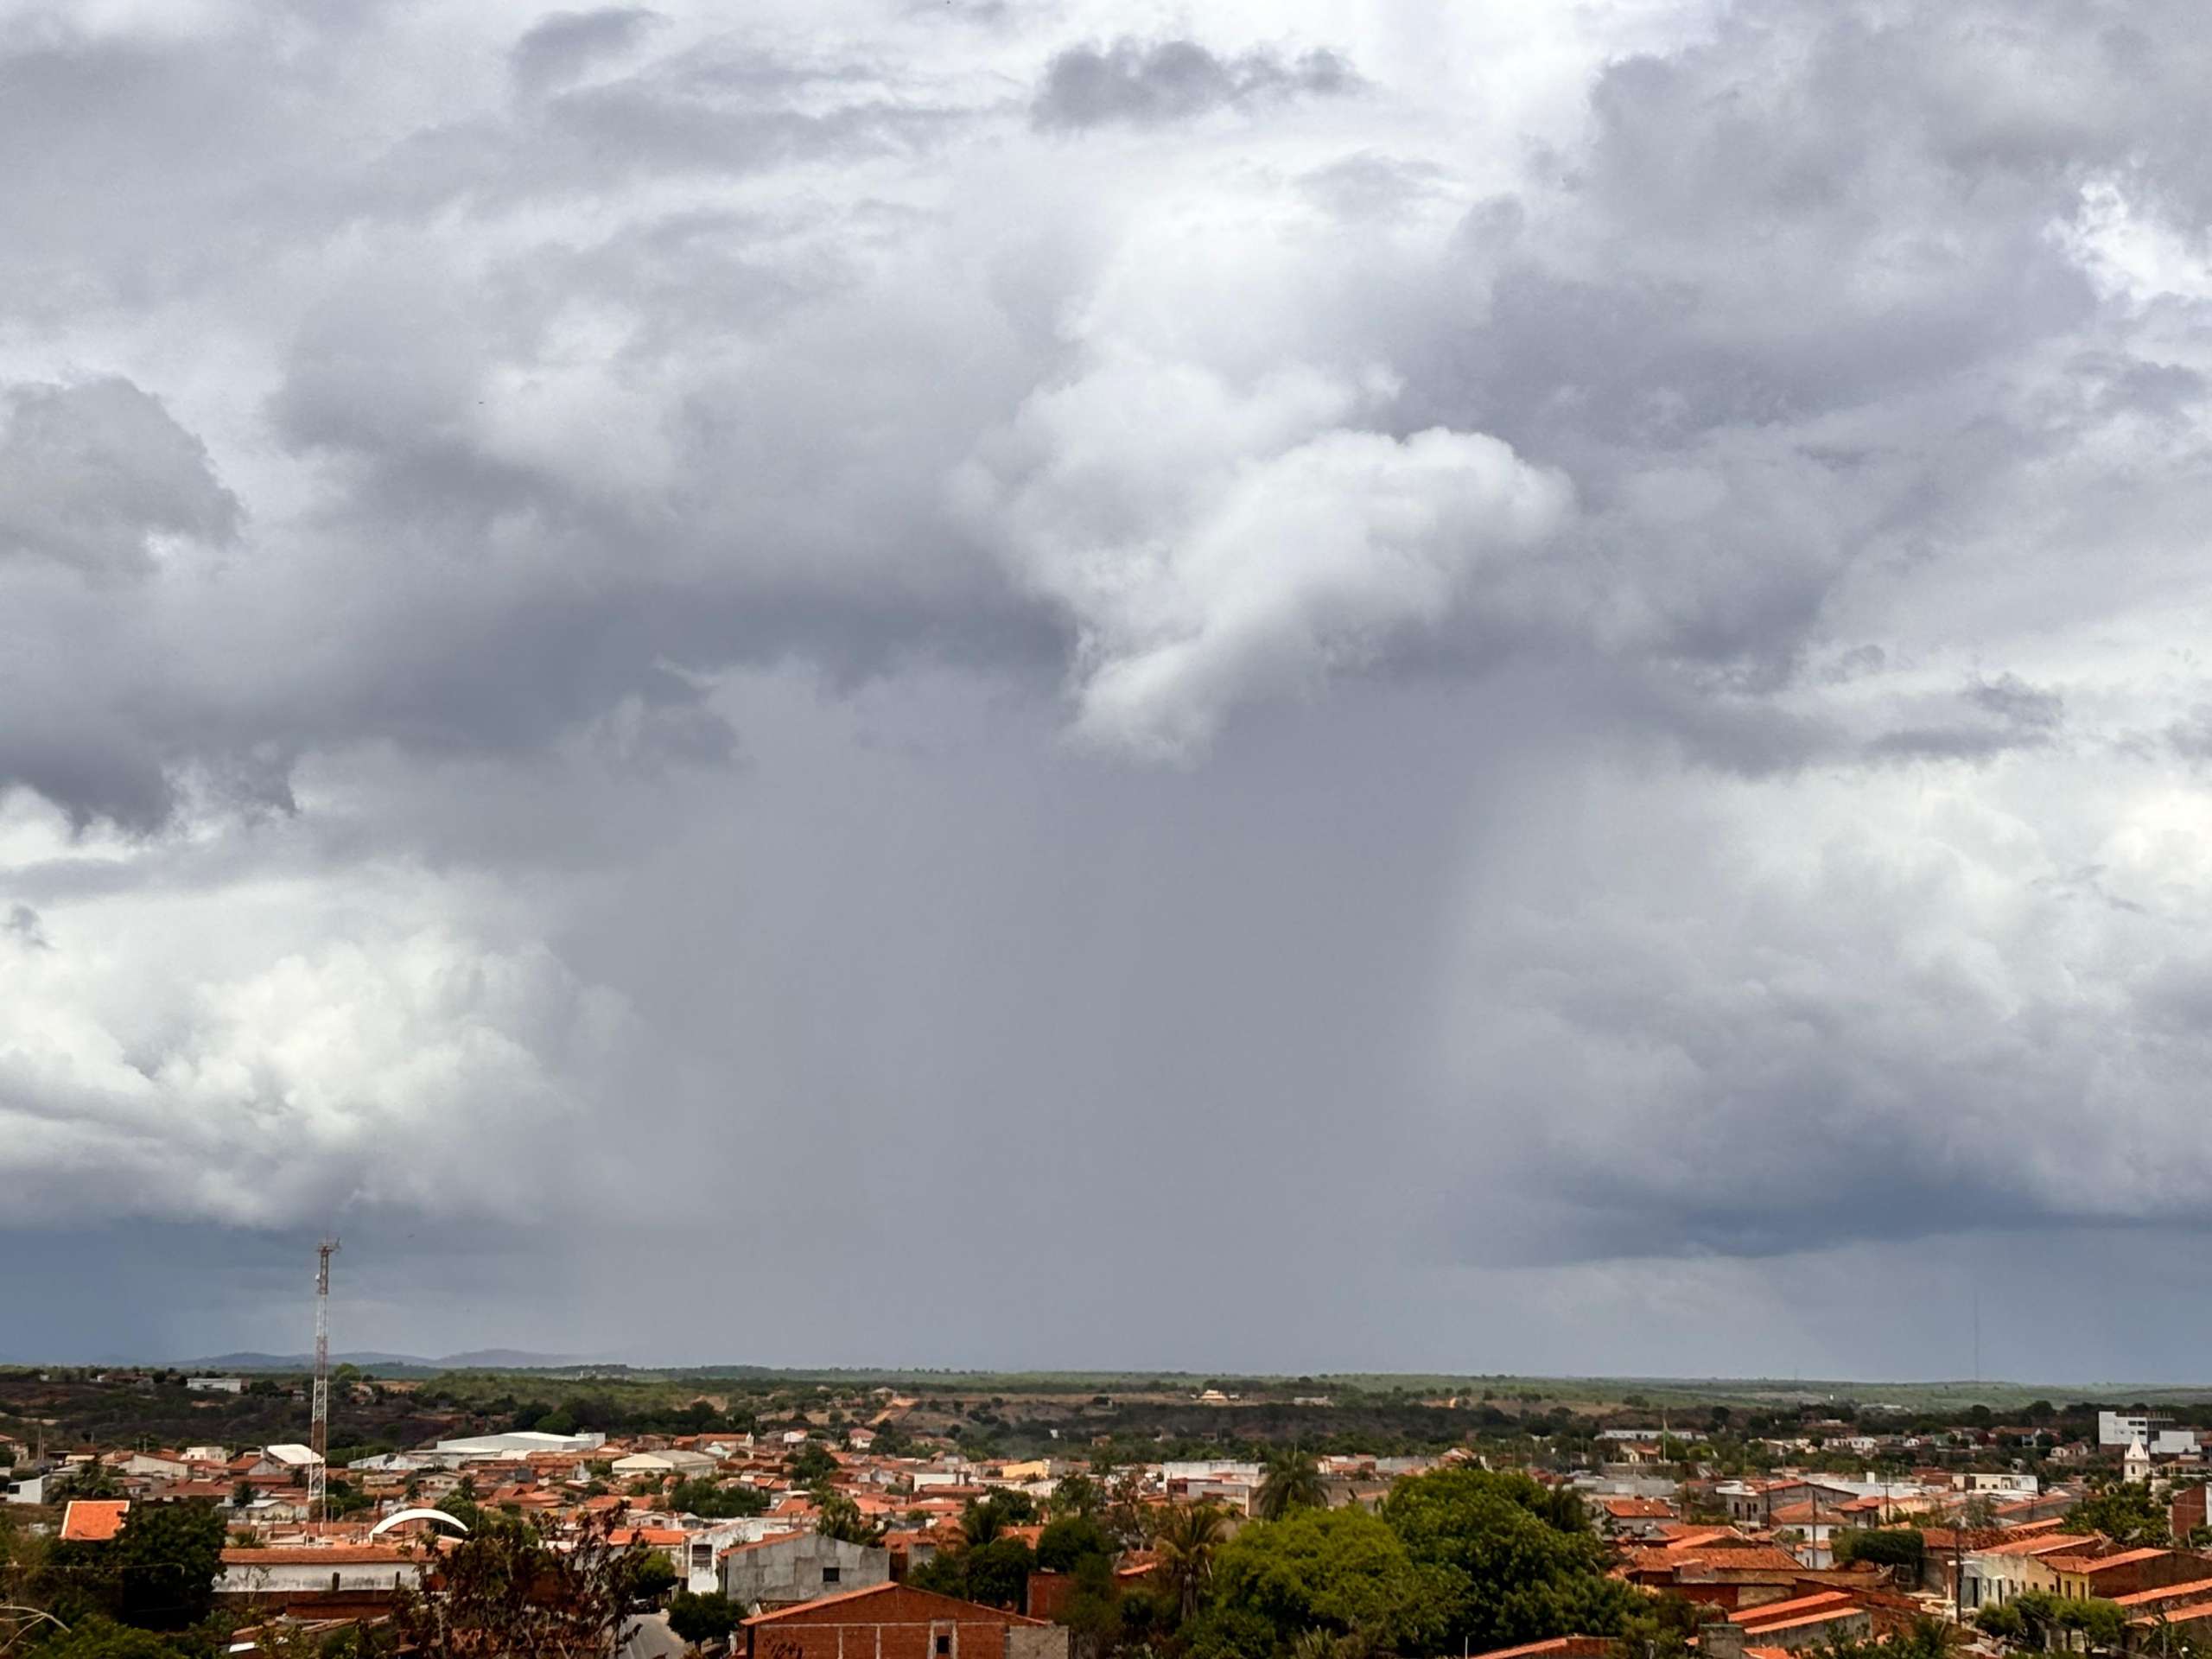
x=551, y=645
x=1151, y=83
x=561, y=45
x=91, y=474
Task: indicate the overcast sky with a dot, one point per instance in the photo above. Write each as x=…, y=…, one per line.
x=1320, y=685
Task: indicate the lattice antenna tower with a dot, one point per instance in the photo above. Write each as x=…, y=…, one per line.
x=319, y=1434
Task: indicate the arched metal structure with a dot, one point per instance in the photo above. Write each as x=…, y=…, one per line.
x=392, y=1521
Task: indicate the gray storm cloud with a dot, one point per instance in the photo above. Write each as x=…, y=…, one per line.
x=1146, y=83
x=1570, y=646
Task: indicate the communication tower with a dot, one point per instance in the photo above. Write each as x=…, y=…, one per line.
x=319, y=1435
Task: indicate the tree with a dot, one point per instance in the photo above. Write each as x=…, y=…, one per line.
x=699, y=1618
x=98, y=1637
x=983, y=1520
x=1228, y=1633
x=996, y=1574
x=1186, y=1539
x=653, y=1577
x=2027, y=1620
x=341, y=1498
x=1288, y=1480
x=163, y=1562
x=812, y=1465
x=1343, y=1570
x=1078, y=1495
x=94, y=1479
x=839, y=1516
x=1925, y=1638
x=1516, y=1561
x=505, y=1592
x=2125, y=1512
x=715, y=1502
x=1127, y=1516
x=1897, y=1546
x=1071, y=1540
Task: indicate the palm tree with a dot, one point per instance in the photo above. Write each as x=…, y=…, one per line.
x=1185, y=1539
x=1290, y=1480
x=980, y=1522
x=838, y=1516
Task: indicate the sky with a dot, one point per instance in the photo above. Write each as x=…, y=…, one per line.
x=1331, y=684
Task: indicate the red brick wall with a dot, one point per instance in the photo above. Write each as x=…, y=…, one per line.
x=2188, y=1512
x=893, y=1623
x=1048, y=1593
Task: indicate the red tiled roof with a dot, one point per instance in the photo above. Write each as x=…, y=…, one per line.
x=647, y=1535
x=2091, y=1563
x=1566, y=1647
x=1822, y=1616
x=2188, y=1615
x=2194, y=1587
x=805, y=1609
x=93, y=1520
x=317, y=1555
x=2051, y=1543
x=1772, y=1611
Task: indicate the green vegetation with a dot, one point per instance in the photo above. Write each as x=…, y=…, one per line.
x=1902, y=1546
x=2032, y=1620
x=713, y=1501
x=652, y=1575
x=505, y=1591
x=1290, y=1480
x=144, y=1594
x=697, y=1619
x=838, y=1516
x=1516, y=1561
x=2125, y=1512
x=1337, y=1570
x=996, y=1574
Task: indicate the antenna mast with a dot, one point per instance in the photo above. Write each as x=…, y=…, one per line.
x=319, y=1435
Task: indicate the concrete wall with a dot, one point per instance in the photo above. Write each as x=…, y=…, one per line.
x=799, y=1569
x=1845, y=1627
x=289, y=1579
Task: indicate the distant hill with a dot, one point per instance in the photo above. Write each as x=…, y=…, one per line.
x=480, y=1359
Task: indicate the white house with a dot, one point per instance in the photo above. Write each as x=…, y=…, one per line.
x=319, y=1569
x=282, y=1462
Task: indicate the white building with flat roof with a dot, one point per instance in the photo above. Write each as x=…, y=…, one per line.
x=522, y=1443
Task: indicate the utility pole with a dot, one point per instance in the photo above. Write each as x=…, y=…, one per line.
x=319, y=1433
x=1958, y=1569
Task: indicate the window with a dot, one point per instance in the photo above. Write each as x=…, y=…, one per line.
x=830, y=1574
x=943, y=1644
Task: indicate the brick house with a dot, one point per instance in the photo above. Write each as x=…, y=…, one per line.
x=896, y=1621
